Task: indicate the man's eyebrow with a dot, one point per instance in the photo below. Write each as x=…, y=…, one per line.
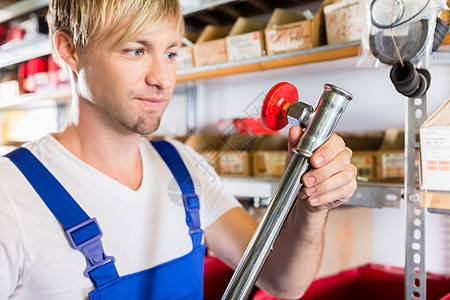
x=174, y=44
x=150, y=45
x=145, y=43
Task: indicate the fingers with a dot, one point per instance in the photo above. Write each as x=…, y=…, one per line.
x=337, y=164
x=332, y=180
x=334, y=177
x=340, y=186
x=329, y=150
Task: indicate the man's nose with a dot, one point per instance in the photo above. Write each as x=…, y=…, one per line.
x=159, y=73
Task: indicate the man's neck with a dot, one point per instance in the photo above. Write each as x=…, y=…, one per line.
x=116, y=155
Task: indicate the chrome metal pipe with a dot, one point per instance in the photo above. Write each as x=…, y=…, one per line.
x=321, y=125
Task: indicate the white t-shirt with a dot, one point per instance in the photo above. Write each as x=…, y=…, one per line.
x=142, y=228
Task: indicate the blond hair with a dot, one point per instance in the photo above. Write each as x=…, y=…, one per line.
x=89, y=22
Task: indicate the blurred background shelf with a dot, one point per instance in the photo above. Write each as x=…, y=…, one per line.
x=35, y=99
x=368, y=194
x=13, y=9
x=25, y=50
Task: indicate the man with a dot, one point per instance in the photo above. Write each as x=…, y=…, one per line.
x=120, y=55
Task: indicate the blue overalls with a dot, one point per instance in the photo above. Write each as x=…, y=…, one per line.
x=181, y=278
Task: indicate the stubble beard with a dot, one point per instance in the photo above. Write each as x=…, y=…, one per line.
x=146, y=125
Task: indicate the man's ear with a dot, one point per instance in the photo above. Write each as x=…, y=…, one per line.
x=65, y=49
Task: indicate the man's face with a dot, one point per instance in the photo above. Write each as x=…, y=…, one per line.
x=129, y=87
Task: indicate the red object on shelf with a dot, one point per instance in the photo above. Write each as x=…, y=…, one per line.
x=37, y=74
x=58, y=77
x=276, y=103
x=371, y=282
x=23, y=74
x=53, y=68
x=3, y=32
x=14, y=33
x=251, y=126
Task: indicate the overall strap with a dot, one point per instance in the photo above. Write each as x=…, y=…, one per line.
x=82, y=231
x=190, y=199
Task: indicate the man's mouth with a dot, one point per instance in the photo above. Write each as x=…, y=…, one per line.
x=151, y=103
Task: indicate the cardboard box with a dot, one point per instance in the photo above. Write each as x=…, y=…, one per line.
x=378, y=156
x=287, y=31
x=246, y=39
x=391, y=157
x=348, y=240
x=365, y=146
x=236, y=155
x=269, y=158
x=208, y=146
x=392, y=164
x=9, y=90
x=435, y=159
x=185, y=56
x=318, y=26
x=210, y=47
x=344, y=21
x=366, y=164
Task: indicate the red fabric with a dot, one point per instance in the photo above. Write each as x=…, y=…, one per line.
x=371, y=282
x=446, y=297
x=216, y=279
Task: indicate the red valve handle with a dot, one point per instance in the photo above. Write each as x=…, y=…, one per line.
x=276, y=103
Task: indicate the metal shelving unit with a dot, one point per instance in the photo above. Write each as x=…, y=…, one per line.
x=31, y=99
x=25, y=50
x=193, y=7
x=368, y=194
x=21, y=8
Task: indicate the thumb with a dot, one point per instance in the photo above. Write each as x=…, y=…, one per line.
x=295, y=132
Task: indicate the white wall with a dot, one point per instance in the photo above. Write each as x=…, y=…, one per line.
x=376, y=106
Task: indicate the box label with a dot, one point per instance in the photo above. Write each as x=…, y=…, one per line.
x=393, y=165
x=435, y=147
x=210, y=53
x=231, y=163
x=364, y=164
x=344, y=21
x=184, y=59
x=270, y=163
x=289, y=37
x=244, y=46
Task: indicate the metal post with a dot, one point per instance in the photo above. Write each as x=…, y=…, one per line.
x=415, y=273
x=191, y=118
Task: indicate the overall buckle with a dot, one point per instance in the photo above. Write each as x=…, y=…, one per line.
x=192, y=207
x=92, y=248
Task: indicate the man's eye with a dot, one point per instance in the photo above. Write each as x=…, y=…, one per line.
x=171, y=55
x=136, y=52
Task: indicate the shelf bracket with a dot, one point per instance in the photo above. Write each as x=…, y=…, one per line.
x=377, y=195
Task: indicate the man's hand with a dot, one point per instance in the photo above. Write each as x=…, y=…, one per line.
x=332, y=181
